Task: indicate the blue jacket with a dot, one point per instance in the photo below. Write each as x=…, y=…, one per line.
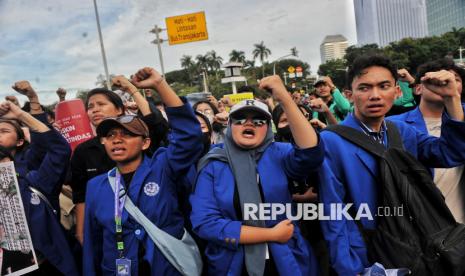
x=153, y=190
x=30, y=159
x=214, y=216
x=348, y=175
x=413, y=117
x=46, y=232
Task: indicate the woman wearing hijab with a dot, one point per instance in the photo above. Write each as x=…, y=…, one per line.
x=251, y=168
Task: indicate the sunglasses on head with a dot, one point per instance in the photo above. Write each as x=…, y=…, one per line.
x=258, y=122
x=124, y=119
x=111, y=135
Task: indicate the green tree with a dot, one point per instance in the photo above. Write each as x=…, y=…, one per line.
x=101, y=80
x=336, y=70
x=82, y=95
x=202, y=62
x=187, y=62
x=283, y=65
x=189, y=65
x=214, y=61
x=261, y=52
x=237, y=56
x=352, y=52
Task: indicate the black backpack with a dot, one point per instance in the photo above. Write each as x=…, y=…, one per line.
x=426, y=239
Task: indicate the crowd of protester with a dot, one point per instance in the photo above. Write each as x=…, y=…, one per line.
x=188, y=171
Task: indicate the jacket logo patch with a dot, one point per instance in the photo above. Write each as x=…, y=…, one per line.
x=35, y=200
x=151, y=188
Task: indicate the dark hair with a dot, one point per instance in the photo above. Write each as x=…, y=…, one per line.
x=207, y=122
x=246, y=88
x=19, y=131
x=309, y=111
x=5, y=153
x=278, y=111
x=50, y=113
x=363, y=62
x=110, y=95
x=215, y=110
x=438, y=65
x=157, y=103
x=27, y=107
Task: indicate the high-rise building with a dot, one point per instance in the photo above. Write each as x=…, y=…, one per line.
x=443, y=15
x=333, y=47
x=385, y=21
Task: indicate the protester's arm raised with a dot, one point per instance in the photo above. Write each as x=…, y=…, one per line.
x=9, y=110
x=303, y=133
x=149, y=78
x=443, y=83
x=24, y=87
x=129, y=88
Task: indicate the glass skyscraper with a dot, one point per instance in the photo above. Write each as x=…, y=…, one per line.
x=443, y=15
x=385, y=21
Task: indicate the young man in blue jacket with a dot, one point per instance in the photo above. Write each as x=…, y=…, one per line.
x=427, y=117
x=349, y=173
x=149, y=183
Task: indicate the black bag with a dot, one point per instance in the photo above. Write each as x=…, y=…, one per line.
x=426, y=239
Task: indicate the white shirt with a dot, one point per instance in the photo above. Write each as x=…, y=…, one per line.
x=448, y=180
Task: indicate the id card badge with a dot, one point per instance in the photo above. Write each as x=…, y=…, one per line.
x=123, y=267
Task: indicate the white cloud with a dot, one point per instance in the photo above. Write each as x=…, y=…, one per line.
x=53, y=43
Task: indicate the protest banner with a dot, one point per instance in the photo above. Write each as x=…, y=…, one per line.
x=17, y=256
x=236, y=98
x=71, y=117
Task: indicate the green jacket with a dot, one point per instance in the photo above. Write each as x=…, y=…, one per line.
x=407, y=99
x=339, y=107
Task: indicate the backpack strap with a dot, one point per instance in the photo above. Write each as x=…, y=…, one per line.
x=358, y=138
x=394, y=138
x=43, y=197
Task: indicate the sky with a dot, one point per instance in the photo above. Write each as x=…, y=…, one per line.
x=54, y=43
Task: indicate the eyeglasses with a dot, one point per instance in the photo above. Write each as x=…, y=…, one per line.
x=258, y=122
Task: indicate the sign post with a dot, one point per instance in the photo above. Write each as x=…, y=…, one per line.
x=186, y=28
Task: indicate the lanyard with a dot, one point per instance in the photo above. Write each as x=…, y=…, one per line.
x=120, y=197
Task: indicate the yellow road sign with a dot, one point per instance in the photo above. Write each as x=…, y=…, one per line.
x=291, y=69
x=186, y=28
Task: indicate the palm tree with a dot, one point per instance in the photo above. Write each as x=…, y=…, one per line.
x=202, y=62
x=189, y=65
x=187, y=62
x=214, y=61
x=249, y=63
x=202, y=65
x=237, y=56
x=261, y=52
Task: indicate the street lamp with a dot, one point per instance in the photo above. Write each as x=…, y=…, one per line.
x=102, y=48
x=460, y=53
x=159, y=41
x=294, y=53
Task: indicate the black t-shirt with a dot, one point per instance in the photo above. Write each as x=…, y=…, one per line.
x=90, y=159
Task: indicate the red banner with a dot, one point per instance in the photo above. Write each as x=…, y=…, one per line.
x=71, y=117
